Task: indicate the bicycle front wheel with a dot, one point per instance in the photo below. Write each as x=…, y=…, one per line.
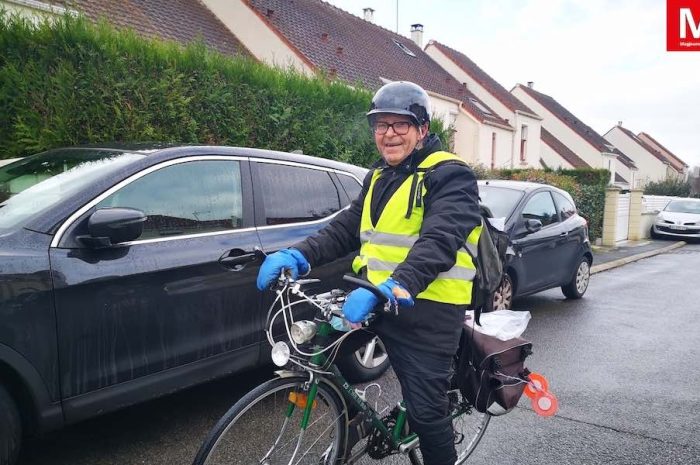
x=264, y=427
x=469, y=428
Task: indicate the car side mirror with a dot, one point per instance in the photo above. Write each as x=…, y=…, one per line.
x=110, y=226
x=532, y=226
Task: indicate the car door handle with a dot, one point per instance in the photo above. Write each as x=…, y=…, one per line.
x=564, y=234
x=237, y=259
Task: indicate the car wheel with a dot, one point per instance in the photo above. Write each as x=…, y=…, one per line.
x=653, y=234
x=10, y=429
x=502, y=299
x=367, y=363
x=579, y=283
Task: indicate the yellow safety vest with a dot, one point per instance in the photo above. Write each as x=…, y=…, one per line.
x=386, y=244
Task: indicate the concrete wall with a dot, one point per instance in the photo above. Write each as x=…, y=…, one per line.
x=640, y=219
x=265, y=44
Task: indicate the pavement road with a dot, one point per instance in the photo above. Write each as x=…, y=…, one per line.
x=623, y=363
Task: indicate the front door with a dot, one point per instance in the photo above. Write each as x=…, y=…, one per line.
x=167, y=299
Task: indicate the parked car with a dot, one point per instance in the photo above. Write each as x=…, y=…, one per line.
x=550, y=240
x=129, y=273
x=679, y=219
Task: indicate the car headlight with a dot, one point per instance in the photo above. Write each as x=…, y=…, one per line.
x=302, y=331
x=280, y=354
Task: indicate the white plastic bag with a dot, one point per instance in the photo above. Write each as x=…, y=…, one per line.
x=502, y=324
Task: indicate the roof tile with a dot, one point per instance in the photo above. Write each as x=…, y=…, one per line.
x=182, y=21
x=677, y=163
x=576, y=125
x=479, y=75
x=369, y=53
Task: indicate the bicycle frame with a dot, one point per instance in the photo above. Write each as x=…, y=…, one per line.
x=400, y=442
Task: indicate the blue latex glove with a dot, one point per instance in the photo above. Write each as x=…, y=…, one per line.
x=275, y=264
x=360, y=302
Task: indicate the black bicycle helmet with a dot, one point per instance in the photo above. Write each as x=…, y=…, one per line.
x=401, y=98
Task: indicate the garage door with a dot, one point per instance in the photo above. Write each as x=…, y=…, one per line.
x=623, y=217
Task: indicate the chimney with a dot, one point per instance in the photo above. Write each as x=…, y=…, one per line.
x=531, y=84
x=619, y=123
x=369, y=14
x=417, y=34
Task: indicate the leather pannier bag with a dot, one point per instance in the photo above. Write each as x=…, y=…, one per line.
x=490, y=372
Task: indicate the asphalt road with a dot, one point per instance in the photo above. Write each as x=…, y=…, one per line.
x=623, y=363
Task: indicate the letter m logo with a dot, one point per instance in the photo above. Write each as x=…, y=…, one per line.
x=683, y=25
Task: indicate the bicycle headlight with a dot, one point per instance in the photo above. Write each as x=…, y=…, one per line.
x=280, y=353
x=302, y=331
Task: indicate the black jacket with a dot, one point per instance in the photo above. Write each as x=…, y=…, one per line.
x=451, y=211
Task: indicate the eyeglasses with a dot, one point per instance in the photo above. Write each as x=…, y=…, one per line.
x=400, y=127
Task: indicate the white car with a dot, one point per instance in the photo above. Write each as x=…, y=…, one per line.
x=680, y=219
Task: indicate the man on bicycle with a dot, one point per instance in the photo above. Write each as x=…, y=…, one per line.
x=415, y=217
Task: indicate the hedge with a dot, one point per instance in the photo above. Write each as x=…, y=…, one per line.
x=71, y=82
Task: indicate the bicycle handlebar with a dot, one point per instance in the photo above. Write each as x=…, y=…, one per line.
x=367, y=285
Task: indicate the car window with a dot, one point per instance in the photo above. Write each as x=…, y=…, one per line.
x=501, y=201
x=541, y=207
x=293, y=194
x=351, y=186
x=565, y=206
x=39, y=182
x=187, y=198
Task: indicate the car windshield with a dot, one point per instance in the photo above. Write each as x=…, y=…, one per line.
x=37, y=183
x=500, y=200
x=684, y=206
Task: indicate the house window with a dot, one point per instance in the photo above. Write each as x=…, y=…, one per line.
x=403, y=48
x=493, y=150
x=523, y=144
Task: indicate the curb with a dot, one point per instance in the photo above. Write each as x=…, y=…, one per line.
x=633, y=258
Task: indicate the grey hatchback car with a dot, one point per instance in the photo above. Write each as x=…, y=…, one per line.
x=549, y=238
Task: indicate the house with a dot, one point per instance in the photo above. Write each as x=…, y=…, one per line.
x=182, y=21
x=679, y=168
x=653, y=165
x=525, y=144
x=582, y=140
x=313, y=37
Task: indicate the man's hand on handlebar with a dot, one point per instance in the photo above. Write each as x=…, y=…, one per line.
x=360, y=302
x=289, y=261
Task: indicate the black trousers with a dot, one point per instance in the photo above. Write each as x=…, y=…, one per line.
x=425, y=380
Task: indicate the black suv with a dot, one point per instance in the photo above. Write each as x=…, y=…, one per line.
x=126, y=274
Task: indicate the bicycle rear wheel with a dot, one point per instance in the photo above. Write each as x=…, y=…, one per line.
x=264, y=428
x=469, y=428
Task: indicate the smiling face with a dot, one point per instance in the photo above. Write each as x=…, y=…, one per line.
x=394, y=147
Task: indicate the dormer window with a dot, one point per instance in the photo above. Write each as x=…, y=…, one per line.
x=403, y=48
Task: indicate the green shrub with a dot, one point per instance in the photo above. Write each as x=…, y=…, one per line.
x=672, y=187
x=71, y=82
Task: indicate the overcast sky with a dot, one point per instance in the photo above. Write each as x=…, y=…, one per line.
x=605, y=61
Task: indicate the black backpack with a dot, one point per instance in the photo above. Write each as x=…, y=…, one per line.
x=490, y=262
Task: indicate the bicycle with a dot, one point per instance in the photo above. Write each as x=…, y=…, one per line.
x=309, y=414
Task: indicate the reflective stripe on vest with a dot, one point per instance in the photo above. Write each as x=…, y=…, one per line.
x=387, y=244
